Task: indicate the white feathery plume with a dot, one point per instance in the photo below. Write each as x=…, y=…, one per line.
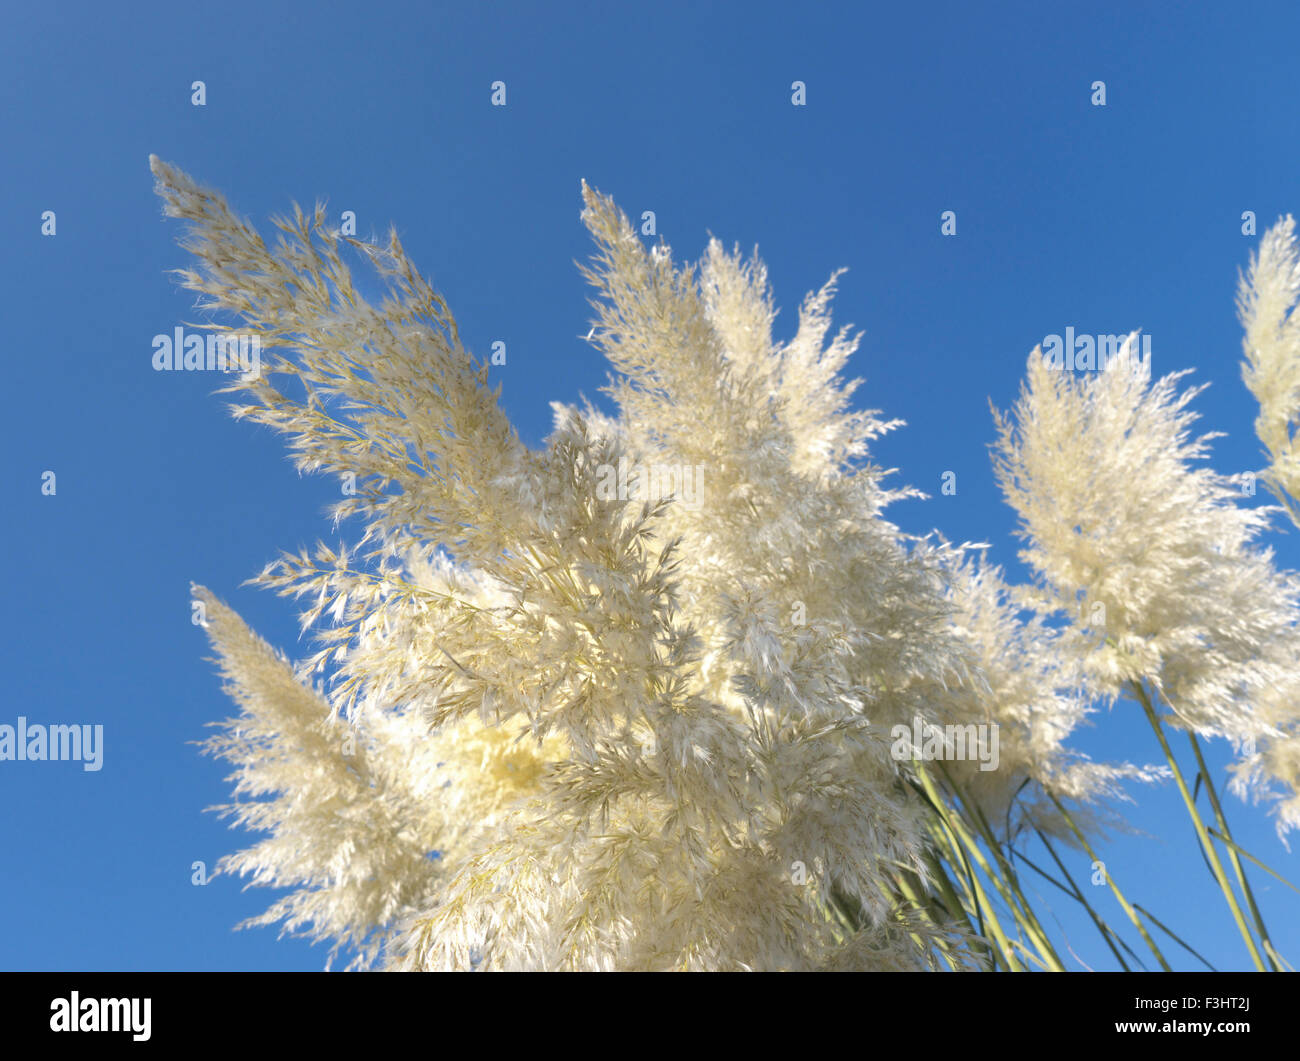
x=1148, y=555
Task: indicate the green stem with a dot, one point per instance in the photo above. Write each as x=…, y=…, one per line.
x=970, y=846
x=1132, y=914
x=1211, y=853
x=1105, y=929
x=948, y=893
x=988, y=917
x=1009, y=882
x=1219, y=817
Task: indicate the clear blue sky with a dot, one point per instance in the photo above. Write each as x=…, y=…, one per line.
x=1104, y=219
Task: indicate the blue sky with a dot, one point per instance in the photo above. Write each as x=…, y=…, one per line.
x=1104, y=219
